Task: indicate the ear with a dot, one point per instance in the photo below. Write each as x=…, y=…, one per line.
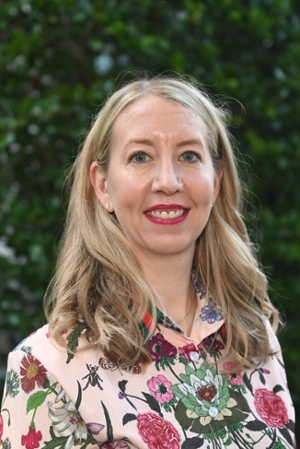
x=99, y=183
x=218, y=181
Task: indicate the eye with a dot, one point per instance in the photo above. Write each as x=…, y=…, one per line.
x=139, y=157
x=190, y=156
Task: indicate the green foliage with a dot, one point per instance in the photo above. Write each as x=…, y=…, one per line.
x=59, y=60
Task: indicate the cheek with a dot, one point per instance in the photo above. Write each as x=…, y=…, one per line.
x=205, y=188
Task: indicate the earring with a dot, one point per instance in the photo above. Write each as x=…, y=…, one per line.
x=107, y=205
x=212, y=205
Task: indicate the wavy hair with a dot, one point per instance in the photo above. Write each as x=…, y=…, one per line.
x=98, y=277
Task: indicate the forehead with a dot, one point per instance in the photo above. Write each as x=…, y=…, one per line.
x=156, y=114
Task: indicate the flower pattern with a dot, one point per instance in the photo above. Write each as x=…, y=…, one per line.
x=95, y=428
x=236, y=378
x=157, y=433
x=66, y=420
x=271, y=408
x=211, y=313
x=32, y=439
x=160, y=388
x=32, y=372
x=207, y=400
x=12, y=383
x=1, y=427
x=159, y=348
x=187, y=397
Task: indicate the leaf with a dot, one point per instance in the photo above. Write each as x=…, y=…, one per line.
x=79, y=396
x=35, y=400
x=290, y=425
x=262, y=378
x=256, y=425
x=228, y=441
x=55, y=441
x=128, y=418
x=192, y=443
x=72, y=339
x=277, y=388
x=153, y=404
x=122, y=385
x=108, y=423
x=180, y=414
x=247, y=383
x=286, y=434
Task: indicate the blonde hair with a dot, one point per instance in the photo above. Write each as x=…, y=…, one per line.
x=98, y=278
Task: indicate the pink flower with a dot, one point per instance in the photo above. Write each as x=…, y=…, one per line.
x=157, y=433
x=234, y=378
x=94, y=428
x=31, y=440
x=160, y=388
x=228, y=366
x=271, y=408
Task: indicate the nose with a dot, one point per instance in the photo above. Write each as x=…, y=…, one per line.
x=167, y=179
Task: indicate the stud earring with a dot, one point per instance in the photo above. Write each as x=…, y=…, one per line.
x=107, y=205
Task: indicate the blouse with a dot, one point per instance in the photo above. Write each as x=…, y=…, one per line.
x=55, y=399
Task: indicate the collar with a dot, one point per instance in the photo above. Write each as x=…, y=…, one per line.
x=207, y=312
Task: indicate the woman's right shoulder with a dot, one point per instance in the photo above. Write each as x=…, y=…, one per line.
x=36, y=338
x=40, y=346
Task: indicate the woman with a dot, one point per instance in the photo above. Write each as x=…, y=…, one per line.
x=158, y=332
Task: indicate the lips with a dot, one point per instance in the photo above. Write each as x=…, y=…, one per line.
x=166, y=213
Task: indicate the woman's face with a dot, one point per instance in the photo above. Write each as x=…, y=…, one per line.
x=160, y=181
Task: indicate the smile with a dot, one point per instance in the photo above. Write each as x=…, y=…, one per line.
x=166, y=214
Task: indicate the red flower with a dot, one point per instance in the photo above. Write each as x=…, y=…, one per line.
x=157, y=432
x=271, y=408
x=185, y=351
x=159, y=348
x=31, y=440
x=1, y=427
x=32, y=371
x=209, y=343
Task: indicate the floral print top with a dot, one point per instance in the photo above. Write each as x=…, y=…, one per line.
x=53, y=399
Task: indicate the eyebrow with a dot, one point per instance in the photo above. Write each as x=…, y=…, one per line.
x=179, y=145
x=190, y=142
x=143, y=141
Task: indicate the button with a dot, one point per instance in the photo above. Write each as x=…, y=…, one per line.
x=213, y=412
x=194, y=356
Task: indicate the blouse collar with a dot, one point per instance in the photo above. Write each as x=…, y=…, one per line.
x=208, y=314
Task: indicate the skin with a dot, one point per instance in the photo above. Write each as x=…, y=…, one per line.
x=160, y=160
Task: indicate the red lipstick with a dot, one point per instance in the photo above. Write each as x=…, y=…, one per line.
x=167, y=214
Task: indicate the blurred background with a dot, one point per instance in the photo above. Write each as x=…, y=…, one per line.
x=58, y=62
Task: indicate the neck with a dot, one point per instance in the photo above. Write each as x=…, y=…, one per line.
x=171, y=278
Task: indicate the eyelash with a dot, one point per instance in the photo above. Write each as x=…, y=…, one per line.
x=142, y=153
x=138, y=153
x=196, y=155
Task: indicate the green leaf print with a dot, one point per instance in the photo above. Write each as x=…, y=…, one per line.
x=36, y=400
x=73, y=338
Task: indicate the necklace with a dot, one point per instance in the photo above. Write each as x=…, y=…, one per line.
x=185, y=316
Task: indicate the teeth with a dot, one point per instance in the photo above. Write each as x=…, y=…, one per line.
x=166, y=215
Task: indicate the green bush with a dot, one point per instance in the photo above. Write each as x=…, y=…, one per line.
x=58, y=62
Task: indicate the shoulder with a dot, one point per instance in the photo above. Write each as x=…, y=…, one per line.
x=273, y=340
